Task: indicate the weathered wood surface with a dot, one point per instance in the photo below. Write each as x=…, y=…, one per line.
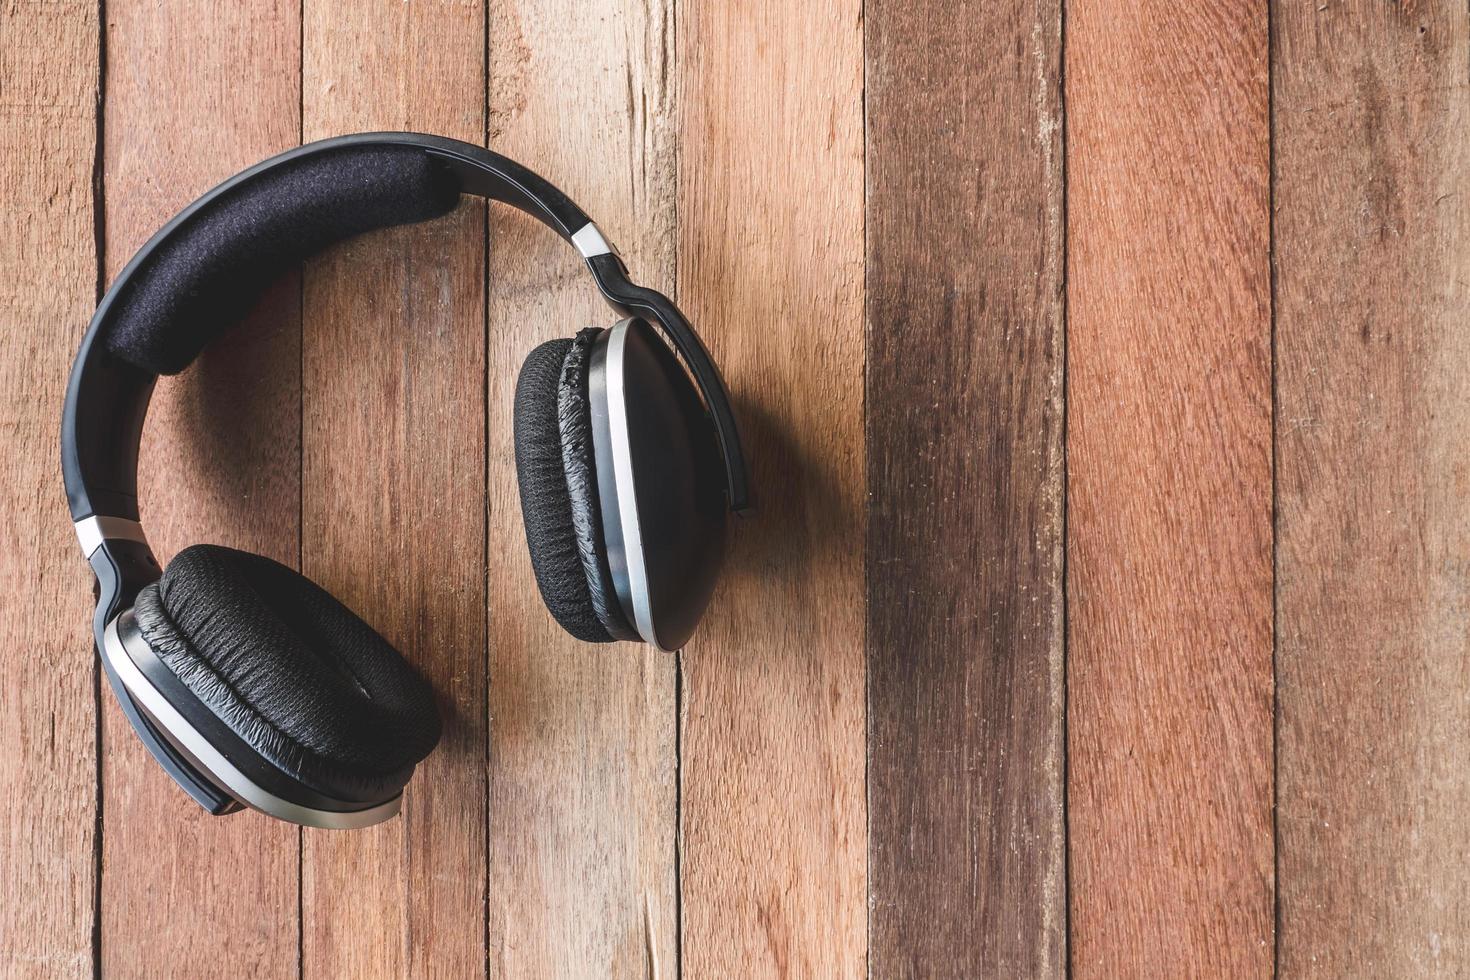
x=770, y=258
x=393, y=477
x=895, y=226
x=1169, y=489
x=221, y=463
x=48, y=287
x=1372, y=139
x=965, y=490
x=583, y=771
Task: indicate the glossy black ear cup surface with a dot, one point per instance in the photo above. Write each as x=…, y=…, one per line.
x=546, y=507
x=676, y=483
x=291, y=671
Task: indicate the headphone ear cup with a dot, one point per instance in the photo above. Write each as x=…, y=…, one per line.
x=546, y=492
x=668, y=491
x=292, y=672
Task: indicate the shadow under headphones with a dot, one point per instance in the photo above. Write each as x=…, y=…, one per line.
x=251, y=685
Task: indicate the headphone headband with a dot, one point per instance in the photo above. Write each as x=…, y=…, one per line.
x=107, y=396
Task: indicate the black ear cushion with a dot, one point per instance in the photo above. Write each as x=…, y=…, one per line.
x=546, y=505
x=293, y=672
x=578, y=453
x=210, y=272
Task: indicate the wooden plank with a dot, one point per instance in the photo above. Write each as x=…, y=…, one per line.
x=220, y=463
x=393, y=484
x=1373, y=362
x=965, y=485
x=48, y=282
x=583, y=768
x=1169, y=489
x=770, y=258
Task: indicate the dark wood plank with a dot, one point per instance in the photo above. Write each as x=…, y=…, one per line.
x=1169, y=489
x=1373, y=243
x=770, y=258
x=394, y=479
x=964, y=441
x=220, y=463
x=582, y=766
x=48, y=288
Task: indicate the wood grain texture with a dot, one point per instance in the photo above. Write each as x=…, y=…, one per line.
x=393, y=481
x=856, y=766
x=1373, y=360
x=220, y=463
x=770, y=258
x=583, y=765
x=48, y=283
x=964, y=439
x=1169, y=489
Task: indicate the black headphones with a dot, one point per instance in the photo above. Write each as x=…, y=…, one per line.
x=250, y=684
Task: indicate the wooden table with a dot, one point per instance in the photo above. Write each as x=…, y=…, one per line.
x=1106, y=372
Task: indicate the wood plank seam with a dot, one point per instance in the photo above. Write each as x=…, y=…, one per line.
x=301, y=465
x=1271, y=300
x=1064, y=9
x=99, y=244
x=671, y=71
x=485, y=546
x=678, y=755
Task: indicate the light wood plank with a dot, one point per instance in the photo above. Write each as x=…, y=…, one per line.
x=220, y=463
x=964, y=441
x=394, y=477
x=48, y=283
x=1373, y=244
x=1169, y=489
x=582, y=785
x=770, y=259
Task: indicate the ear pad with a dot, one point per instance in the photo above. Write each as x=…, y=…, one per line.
x=578, y=455
x=546, y=494
x=293, y=672
x=546, y=506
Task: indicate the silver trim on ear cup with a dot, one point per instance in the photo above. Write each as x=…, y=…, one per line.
x=607, y=484
x=206, y=758
x=92, y=531
x=621, y=532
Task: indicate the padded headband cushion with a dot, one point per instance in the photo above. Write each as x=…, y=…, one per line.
x=290, y=670
x=546, y=506
x=208, y=274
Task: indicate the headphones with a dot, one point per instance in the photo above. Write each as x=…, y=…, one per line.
x=250, y=684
